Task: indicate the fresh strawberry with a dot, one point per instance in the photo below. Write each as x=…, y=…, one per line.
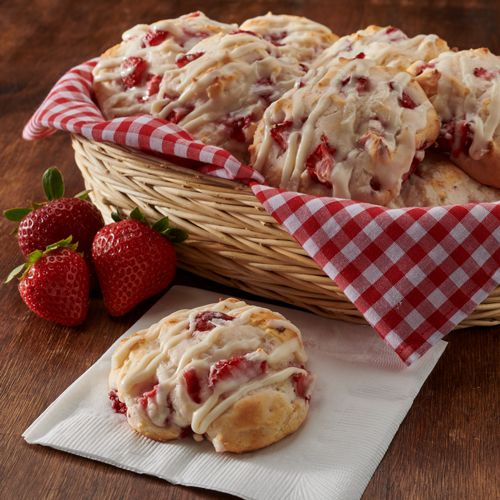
x=144, y=399
x=132, y=70
x=204, y=323
x=55, y=283
x=406, y=101
x=181, y=61
x=116, y=404
x=484, y=73
x=56, y=219
x=193, y=385
x=280, y=133
x=302, y=384
x=320, y=162
x=276, y=38
x=134, y=261
x=362, y=84
x=237, y=367
x=152, y=87
x=237, y=127
x=176, y=115
x=155, y=37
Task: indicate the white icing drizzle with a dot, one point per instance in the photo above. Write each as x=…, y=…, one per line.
x=388, y=46
x=160, y=356
x=469, y=89
x=182, y=34
x=220, y=94
x=297, y=37
x=371, y=135
x=212, y=408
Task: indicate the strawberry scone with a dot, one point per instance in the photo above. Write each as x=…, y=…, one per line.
x=356, y=133
x=388, y=46
x=230, y=372
x=298, y=37
x=464, y=87
x=127, y=76
x=221, y=87
x=437, y=181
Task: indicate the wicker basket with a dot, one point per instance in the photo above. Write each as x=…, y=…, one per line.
x=232, y=239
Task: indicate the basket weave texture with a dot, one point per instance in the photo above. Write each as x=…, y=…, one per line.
x=232, y=239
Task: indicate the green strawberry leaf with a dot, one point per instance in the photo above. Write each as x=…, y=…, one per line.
x=136, y=214
x=16, y=214
x=83, y=195
x=66, y=243
x=34, y=256
x=161, y=225
x=175, y=234
x=15, y=272
x=116, y=216
x=53, y=184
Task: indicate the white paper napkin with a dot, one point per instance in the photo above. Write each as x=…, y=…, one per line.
x=362, y=393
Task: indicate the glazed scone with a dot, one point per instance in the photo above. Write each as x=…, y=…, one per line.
x=437, y=181
x=355, y=133
x=222, y=86
x=464, y=87
x=388, y=46
x=298, y=37
x=230, y=372
x=127, y=76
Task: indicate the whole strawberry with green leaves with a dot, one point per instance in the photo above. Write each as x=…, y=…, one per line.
x=55, y=283
x=56, y=219
x=134, y=261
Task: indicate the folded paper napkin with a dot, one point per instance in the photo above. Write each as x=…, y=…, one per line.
x=362, y=394
x=413, y=273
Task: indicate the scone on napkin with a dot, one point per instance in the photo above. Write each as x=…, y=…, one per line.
x=361, y=395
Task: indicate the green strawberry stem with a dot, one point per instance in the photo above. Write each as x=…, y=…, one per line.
x=162, y=226
x=53, y=184
x=53, y=187
x=36, y=255
x=83, y=195
x=16, y=214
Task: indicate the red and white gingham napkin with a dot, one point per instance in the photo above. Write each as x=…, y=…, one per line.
x=414, y=273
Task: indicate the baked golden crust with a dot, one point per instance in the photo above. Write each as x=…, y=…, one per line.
x=486, y=170
x=231, y=372
x=437, y=181
x=256, y=421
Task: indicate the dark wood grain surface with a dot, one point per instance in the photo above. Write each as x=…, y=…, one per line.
x=448, y=445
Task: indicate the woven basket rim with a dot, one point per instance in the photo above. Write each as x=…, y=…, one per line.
x=125, y=177
x=168, y=164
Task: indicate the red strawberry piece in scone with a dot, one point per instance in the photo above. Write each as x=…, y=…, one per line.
x=221, y=87
x=237, y=369
x=357, y=132
x=208, y=320
x=464, y=87
x=238, y=380
x=127, y=76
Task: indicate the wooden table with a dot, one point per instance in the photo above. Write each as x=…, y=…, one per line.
x=445, y=447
